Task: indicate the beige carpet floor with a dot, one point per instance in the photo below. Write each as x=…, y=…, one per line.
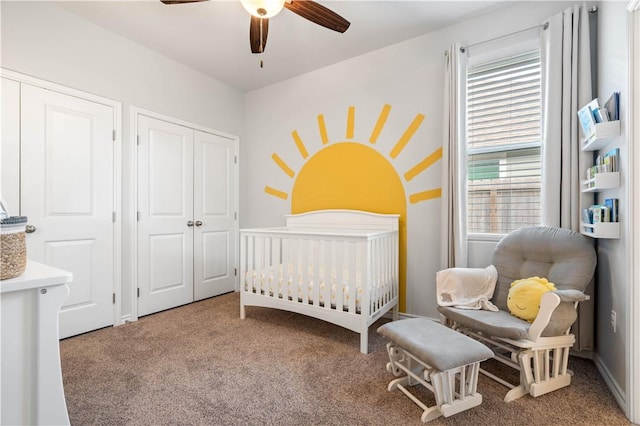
x=200, y=364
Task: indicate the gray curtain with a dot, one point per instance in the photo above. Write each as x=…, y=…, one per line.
x=568, y=59
x=454, y=188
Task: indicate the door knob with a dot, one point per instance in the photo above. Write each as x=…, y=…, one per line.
x=29, y=229
x=190, y=223
x=198, y=223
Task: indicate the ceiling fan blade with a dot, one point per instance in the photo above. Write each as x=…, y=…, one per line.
x=318, y=14
x=258, y=31
x=180, y=1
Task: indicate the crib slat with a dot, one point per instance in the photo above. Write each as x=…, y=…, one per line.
x=251, y=266
x=284, y=255
x=260, y=265
x=315, y=279
x=376, y=266
x=377, y=262
x=383, y=284
x=266, y=267
x=351, y=260
x=326, y=273
x=381, y=261
x=274, y=265
x=387, y=269
x=295, y=260
x=362, y=277
x=337, y=270
x=305, y=270
x=388, y=281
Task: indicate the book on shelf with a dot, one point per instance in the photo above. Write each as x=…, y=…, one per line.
x=605, y=163
x=587, y=119
x=613, y=106
x=594, y=113
x=612, y=205
x=587, y=219
x=597, y=213
x=601, y=115
x=610, y=161
x=600, y=213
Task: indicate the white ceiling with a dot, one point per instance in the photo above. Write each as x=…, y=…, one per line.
x=213, y=36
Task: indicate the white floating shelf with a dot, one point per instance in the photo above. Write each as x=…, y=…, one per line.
x=601, y=181
x=601, y=135
x=601, y=229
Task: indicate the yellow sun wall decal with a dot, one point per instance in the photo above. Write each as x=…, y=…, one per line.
x=348, y=174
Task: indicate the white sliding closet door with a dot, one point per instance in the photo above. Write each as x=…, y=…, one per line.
x=214, y=214
x=67, y=192
x=165, y=215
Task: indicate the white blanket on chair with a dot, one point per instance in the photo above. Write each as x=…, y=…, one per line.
x=467, y=288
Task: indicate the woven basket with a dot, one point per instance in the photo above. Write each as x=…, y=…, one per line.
x=13, y=249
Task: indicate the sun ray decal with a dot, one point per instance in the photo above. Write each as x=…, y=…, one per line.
x=382, y=119
x=351, y=118
x=276, y=192
x=406, y=137
x=285, y=168
x=348, y=174
x=300, y=144
x=323, y=130
x=419, y=168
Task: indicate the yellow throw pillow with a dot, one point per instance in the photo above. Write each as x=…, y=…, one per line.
x=524, y=297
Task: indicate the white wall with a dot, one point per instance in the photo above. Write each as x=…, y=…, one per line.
x=612, y=291
x=44, y=41
x=409, y=76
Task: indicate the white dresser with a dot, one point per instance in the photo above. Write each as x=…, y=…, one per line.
x=32, y=391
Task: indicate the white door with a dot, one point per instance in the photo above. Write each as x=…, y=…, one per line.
x=165, y=215
x=214, y=215
x=67, y=193
x=10, y=149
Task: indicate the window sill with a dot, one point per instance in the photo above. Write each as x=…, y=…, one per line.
x=485, y=237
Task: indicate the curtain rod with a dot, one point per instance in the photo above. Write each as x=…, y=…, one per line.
x=543, y=26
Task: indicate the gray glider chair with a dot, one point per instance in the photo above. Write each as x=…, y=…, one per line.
x=540, y=349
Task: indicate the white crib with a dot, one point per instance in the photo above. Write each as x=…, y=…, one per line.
x=346, y=257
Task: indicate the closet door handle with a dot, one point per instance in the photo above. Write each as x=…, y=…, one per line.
x=198, y=223
x=190, y=223
x=30, y=229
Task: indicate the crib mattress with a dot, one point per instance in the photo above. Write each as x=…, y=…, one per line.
x=272, y=280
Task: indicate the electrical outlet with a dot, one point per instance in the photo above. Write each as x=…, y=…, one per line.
x=613, y=320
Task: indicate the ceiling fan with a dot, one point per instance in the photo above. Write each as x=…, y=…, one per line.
x=262, y=10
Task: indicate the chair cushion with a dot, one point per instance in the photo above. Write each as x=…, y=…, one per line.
x=495, y=324
x=437, y=345
x=562, y=256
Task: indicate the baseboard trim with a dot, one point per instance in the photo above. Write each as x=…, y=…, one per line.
x=125, y=319
x=582, y=354
x=612, y=384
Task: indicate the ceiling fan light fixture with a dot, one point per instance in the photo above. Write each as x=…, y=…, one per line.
x=263, y=8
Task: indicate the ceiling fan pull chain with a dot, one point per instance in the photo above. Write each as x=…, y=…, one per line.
x=261, y=45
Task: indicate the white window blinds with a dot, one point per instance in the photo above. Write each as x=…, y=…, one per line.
x=503, y=144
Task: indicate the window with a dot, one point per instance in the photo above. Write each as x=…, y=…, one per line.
x=503, y=144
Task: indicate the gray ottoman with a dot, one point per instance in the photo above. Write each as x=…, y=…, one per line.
x=443, y=360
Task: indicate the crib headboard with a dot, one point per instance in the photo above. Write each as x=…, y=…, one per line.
x=343, y=219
